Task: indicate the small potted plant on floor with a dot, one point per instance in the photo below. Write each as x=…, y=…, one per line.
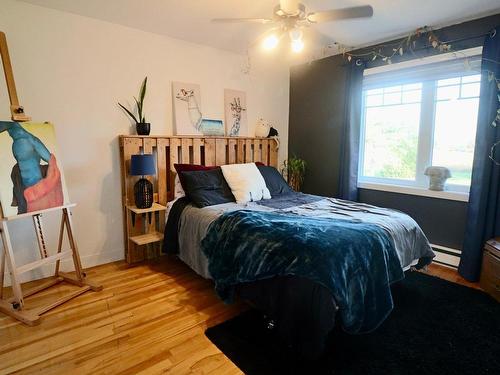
x=294, y=170
x=142, y=127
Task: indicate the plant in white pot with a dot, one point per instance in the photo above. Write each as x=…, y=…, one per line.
x=142, y=127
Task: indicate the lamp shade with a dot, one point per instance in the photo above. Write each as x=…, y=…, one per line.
x=142, y=165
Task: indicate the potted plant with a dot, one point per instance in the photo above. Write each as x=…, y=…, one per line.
x=294, y=170
x=142, y=127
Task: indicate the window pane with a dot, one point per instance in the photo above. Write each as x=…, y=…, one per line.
x=471, y=90
x=412, y=86
x=374, y=91
x=454, y=138
x=392, y=98
x=413, y=96
x=471, y=78
x=448, y=92
x=391, y=140
x=392, y=89
x=373, y=100
x=449, y=81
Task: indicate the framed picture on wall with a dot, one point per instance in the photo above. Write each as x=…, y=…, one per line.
x=188, y=116
x=235, y=111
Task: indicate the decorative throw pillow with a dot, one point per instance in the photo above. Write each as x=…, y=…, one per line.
x=189, y=168
x=206, y=188
x=246, y=182
x=274, y=180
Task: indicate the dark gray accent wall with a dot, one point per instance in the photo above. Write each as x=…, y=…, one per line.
x=316, y=114
x=317, y=106
x=442, y=220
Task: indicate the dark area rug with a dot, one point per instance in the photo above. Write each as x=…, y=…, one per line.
x=436, y=327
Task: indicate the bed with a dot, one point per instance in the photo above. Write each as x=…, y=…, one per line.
x=300, y=304
x=307, y=262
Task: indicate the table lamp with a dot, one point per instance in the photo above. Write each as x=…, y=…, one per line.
x=143, y=165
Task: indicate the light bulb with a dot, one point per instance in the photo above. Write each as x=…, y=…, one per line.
x=270, y=42
x=297, y=45
x=295, y=34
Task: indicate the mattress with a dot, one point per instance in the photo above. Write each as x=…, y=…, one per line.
x=409, y=240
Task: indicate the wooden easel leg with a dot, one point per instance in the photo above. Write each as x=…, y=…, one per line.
x=80, y=275
x=76, y=256
x=2, y=268
x=60, y=242
x=11, y=263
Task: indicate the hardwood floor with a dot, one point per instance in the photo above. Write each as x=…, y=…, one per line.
x=148, y=319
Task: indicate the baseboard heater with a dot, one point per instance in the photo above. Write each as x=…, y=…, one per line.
x=446, y=256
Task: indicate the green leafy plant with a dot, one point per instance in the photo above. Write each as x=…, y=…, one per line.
x=294, y=170
x=141, y=118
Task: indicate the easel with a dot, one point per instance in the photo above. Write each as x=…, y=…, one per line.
x=15, y=306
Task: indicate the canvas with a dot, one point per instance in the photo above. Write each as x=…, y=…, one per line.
x=235, y=110
x=31, y=177
x=187, y=108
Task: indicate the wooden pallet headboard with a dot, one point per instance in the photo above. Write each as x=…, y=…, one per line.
x=187, y=150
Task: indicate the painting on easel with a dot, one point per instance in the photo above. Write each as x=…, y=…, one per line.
x=31, y=177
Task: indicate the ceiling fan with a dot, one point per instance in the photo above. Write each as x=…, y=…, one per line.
x=290, y=17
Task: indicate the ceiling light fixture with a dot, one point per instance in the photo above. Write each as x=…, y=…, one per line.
x=270, y=42
x=291, y=16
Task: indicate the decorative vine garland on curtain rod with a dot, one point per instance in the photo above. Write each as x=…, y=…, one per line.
x=408, y=44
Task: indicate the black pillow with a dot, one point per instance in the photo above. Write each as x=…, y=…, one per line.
x=274, y=181
x=206, y=188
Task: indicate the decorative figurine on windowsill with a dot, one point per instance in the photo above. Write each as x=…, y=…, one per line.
x=437, y=177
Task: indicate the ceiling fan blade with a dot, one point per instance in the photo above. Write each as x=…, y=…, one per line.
x=236, y=20
x=341, y=14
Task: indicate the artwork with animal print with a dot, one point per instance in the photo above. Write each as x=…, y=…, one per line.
x=235, y=110
x=187, y=108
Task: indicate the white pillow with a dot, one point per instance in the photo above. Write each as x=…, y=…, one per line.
x=246, y=182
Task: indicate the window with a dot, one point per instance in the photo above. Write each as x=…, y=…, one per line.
x=414, y=118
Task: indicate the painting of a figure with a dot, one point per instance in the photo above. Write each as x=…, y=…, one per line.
x=187, y=108
x=235, y=107
x=30, y=177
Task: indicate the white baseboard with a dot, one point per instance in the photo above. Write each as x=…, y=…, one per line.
x=89, y=260
x=446, y=256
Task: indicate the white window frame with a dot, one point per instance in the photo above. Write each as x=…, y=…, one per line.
x=425, y=138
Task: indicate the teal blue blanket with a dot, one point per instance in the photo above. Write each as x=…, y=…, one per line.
x=356, y=261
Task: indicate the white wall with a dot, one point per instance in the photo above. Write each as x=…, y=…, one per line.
x=72, y=70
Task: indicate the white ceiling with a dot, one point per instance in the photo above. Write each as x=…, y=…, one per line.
x=190, y=19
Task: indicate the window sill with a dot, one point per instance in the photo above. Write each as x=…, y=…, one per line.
x=412, y=190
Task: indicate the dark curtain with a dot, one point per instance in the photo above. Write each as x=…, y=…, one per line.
x=349, y=155
x=483, y=215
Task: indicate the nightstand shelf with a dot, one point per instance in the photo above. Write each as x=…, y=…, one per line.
x=155, y=207
x=144, y=230
x=144, y=239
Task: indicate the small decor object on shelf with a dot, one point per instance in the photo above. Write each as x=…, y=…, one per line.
x=437, y=177
x=293, y=170
x=143, y=165
x=142, y=127
x=235, y=110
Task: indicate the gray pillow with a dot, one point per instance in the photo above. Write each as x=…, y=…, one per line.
x=274, y=181
x=206, y=188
